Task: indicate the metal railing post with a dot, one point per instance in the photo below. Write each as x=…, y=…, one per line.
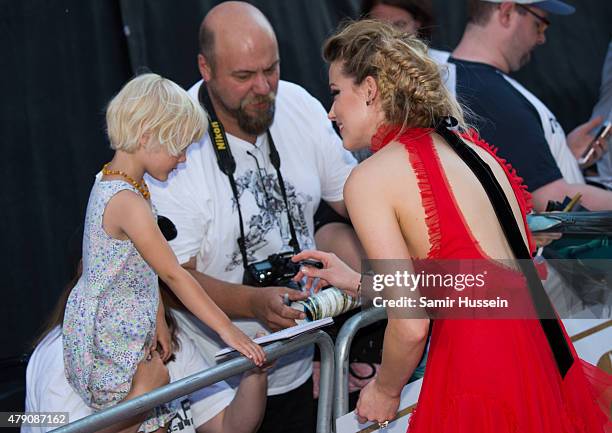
x=207, y=377
x=343, y=347
x=326, y=383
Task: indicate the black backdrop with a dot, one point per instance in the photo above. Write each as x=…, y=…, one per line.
x=62, y=60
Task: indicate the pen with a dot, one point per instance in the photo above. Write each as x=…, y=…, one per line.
x=572, y=202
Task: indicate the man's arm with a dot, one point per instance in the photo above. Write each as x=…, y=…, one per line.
x=339, y=207
x=265, y=304
x=245, y=413
x=593, y=198
x=341, y=239
x=234, y=299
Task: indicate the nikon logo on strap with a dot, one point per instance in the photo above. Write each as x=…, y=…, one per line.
x=218, y=135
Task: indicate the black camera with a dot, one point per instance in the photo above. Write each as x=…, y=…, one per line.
x=276, y=270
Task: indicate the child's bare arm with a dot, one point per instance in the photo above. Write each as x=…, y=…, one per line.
x=163, y=338
x=133, y=216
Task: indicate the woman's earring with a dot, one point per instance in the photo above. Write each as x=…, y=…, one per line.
x=369, y=102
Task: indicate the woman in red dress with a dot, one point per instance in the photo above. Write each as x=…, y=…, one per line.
x=416, y=199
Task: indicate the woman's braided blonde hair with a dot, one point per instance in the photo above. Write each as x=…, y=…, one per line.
x=411, y=89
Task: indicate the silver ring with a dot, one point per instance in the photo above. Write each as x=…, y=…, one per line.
x=383, y=424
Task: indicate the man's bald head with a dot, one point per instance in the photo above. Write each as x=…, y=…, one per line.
x=228, y=23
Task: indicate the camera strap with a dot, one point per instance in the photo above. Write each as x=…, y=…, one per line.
x=276, y=162
x=551, y=327
x=227, y=164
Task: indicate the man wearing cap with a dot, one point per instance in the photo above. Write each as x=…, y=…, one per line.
x=499, y=39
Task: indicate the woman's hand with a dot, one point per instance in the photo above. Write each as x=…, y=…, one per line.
x=335, y=272
x=376, y=405
x=237, y=339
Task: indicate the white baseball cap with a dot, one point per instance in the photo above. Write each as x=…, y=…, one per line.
x=551, y=6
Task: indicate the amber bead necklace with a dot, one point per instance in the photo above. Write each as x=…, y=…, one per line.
x=142, y=186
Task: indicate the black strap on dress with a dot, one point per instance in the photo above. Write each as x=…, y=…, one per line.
x=544, y=309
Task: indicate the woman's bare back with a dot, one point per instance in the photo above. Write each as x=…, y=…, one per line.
x=398, y=181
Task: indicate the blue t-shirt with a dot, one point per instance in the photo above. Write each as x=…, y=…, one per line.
x=507, y=120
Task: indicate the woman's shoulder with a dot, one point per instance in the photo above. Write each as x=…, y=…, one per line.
x=373, y=165
x=382, y=172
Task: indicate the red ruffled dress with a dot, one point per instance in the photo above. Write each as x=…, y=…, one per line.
x=491, y=375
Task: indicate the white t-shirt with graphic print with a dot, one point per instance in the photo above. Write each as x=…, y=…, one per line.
x=198, y=199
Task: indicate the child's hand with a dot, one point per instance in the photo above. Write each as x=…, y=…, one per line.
x=163, y=340
x=262, y=371
x=237, y=339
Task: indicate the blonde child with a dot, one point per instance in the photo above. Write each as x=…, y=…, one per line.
x=111, y=314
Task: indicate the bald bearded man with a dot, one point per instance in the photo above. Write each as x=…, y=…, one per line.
x=222, y=229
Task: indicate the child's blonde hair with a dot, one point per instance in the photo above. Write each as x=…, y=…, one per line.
x=151, y=104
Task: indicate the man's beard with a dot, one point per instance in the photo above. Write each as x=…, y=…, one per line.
x=253, y=125
x=260, y=123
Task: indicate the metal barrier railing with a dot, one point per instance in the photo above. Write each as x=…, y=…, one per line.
x=207, y=377
x=343, y=346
